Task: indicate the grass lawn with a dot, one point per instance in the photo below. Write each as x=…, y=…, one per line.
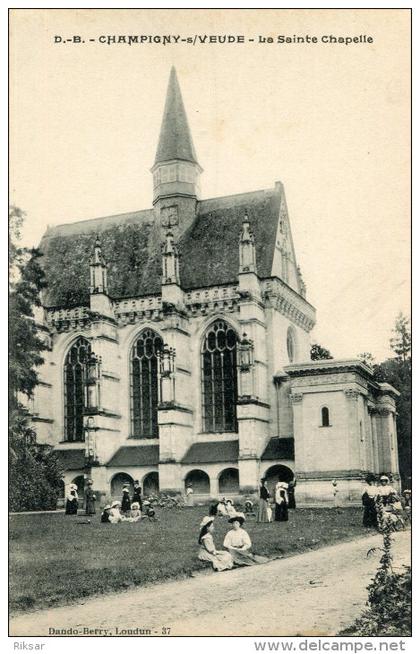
x=54, y=560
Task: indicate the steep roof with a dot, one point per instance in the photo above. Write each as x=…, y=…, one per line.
x=71, y=459
x=131, y=247
x=212, y=452
x=175, y=140
x=278, y=449
x=135, y=455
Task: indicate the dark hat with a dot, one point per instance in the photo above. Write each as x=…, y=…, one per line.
x=237, y=518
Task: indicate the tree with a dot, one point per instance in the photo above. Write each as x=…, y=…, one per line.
x=397, y=372
x=26, y=282
x=34, y=471
x=401, y=342
x=367, y=357
x=319, y=352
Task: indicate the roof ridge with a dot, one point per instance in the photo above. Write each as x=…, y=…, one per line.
x=235, y=195
x=52, y=228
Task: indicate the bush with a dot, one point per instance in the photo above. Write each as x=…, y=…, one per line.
x=35, y=476
x=389, y=612
x=389, y=602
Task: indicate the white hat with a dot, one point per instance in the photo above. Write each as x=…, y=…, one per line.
x=108, y=506
x=384, y=477
x=135, y=505
x=73, y=487
x=114, y=504
x=206, y=520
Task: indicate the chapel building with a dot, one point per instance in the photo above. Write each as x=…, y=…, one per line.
x=179, y=349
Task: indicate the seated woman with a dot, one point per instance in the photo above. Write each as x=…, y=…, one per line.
x=105, y=514
x=115, y=514
x=238, y=543
x=207, y=552
x=135, y=513
x=230, y=509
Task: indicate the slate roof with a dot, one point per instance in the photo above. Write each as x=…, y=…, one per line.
x=212, y=452
x=175, y=141
x=71, y=459
x=278, y=449
x=136, y=455
x=131, y=247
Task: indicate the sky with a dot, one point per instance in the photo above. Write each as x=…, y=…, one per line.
x=330, y=121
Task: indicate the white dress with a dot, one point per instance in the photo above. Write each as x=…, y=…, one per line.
x=238, y=544
x=207, y=552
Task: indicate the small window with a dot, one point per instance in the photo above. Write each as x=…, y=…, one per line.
x=325, y=417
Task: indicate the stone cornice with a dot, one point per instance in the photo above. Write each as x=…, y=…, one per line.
x=288, y=302
x=331, y=367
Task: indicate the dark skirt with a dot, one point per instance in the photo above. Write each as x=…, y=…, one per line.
x=71, y=507
x=125, y=504
x=281, y=513
x=90, y=504
x=369, y=513
x=292, y=501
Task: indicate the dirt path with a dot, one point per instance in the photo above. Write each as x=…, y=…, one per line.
x=316, y=593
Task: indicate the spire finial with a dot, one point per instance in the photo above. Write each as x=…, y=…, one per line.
x=175, y=141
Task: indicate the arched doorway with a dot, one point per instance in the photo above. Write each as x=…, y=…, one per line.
x=80, y=483
x=151, y=484
x=229, y=481
x=278, y=473
x=117, y=483
x=200, y=481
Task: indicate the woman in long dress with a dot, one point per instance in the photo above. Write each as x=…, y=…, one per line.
x=125, y=503
x=90, y=499
x=238, y=544
x=207, y=551
x=262, y=515
x=72, y=500
x=370, y=493
x=291, y=493
x=281, y=513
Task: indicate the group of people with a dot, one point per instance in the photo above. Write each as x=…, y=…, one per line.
x=72, y=499
x=284, y=499
x=393, y=505
x=128, y=510
x=237, y=544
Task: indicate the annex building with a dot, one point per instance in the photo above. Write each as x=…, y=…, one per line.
x=179, y=349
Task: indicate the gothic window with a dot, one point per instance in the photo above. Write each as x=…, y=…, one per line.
x=74, y=389
x=325, y=417
x=144, y=385
x=219, y=378
x=291, y=345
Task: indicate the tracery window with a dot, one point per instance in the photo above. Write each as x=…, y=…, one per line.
x=75, y=366
x=219, y=378
x=144, y=385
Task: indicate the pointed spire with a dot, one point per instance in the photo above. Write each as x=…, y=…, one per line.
x=175, y=141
